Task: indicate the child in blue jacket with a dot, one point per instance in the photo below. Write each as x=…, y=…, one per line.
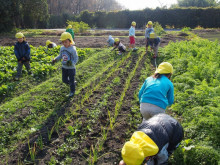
x=22, y=53
x=157, y=92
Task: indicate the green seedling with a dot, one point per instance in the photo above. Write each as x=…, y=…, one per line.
x=40, y=142
x=32, y=151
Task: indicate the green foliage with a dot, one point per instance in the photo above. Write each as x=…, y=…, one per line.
x=197, y=89
x=40, y=64
x=186, y=29
x=79, y=27
x=175, y=18
x=158, y=28
x=197, y=3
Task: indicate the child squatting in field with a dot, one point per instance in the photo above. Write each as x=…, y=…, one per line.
x=119, y=45
x=154, y=141
x=22, y=53
x=157, y=92
x=50, y=44
x=69, y=55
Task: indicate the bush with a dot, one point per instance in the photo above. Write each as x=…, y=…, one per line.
x=158, y=28
x=79, y=27
x=186, y=29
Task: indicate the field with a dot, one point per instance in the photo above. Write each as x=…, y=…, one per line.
x=40, y=125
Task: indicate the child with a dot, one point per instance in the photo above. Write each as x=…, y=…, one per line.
x=50, y=44
x=120, y=46
x=22, y=53
x=154, y=141
x=132, y=36
x=157, y=92
x=69, y=29
x=69, y=55
x=110, y=41
x=154, y=42
x=149, y=29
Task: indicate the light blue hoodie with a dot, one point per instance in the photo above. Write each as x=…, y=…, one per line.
x=132, y=31
x=110, y=41
x=68, y=54
x=148, y=31
x=159, y=92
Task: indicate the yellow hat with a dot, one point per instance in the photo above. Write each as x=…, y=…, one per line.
x=20, y=35
x=152, y=35
x=48, y=42
x=66, y=36
x=69, y=27
x=164, y=68
x=133, y=23
x=150, y=23
x=138, y=148
x=117, y=39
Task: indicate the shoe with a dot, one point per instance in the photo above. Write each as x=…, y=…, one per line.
x=154, y=56
x=71, y=94
x=120, y=53
x=135, y=49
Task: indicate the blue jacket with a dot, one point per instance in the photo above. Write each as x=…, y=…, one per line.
x=153, y=42
x=22, y=50
x=159, y=92
x=148, y=31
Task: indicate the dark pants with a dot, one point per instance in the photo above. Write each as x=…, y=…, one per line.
x=121, y=49
x=68, y=77
x=20, y=65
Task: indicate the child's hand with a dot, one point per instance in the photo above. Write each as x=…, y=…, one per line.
x=53, y=61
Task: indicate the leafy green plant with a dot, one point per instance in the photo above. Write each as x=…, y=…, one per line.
x=79, y=27
x=158, y=28
x=32, y=151
x=40, y=142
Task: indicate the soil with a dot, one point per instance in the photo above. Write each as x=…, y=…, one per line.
x=88, y=41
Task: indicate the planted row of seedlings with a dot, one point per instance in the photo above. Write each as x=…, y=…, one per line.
x=41, y=105
x=96, y=122
x=76, y=122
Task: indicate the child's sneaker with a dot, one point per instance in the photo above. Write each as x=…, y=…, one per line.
x=135, y=49
x=30, y=73
x=120, y=53
x=155, y=56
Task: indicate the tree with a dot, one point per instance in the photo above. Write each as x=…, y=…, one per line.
x=197, y=3
x=34, y=11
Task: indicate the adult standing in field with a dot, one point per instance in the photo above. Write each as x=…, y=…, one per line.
x=132, y=36
x=50, y=44
x=69, y=55
x=22, y=53
x=155, y=140
x=154, y=43
x=157, y=92
x=69, y=29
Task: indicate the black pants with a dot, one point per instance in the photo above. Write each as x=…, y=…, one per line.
x=68, y=77
x=121, y=49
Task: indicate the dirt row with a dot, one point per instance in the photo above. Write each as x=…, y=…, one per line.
x=89, y=41
x=22, y=151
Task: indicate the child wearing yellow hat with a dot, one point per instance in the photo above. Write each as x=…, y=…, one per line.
x=154, y=43
x=69, y=57
x=157, y=92
x=155, y=140
x=132, y=36
x=22, y=53
x=50, y=44
x=69, y=29
x=119, y=45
